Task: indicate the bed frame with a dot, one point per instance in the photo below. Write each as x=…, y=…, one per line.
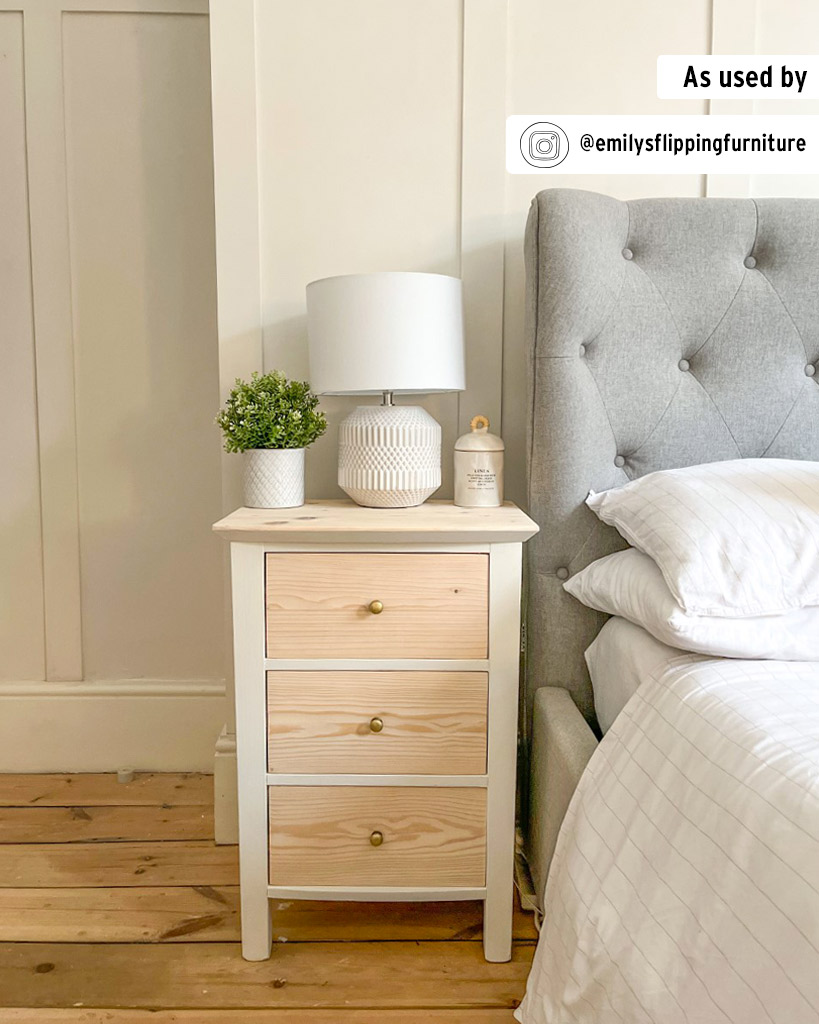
x=661, y=333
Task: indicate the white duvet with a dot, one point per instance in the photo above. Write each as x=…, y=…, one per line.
x=685, y=885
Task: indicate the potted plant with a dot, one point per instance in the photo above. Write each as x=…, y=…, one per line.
x=271, y=420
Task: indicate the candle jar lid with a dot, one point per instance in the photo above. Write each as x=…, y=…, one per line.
x=479, y=439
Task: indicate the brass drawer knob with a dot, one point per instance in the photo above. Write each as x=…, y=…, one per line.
x=376, y=838
x=376, y=724
x=376, y=607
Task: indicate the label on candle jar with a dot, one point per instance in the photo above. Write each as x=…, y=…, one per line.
x=479, y=479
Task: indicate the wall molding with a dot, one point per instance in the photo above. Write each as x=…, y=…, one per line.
x=483, y=201
x=114, y=688
x=63, y=722
x=52, y=301
x=225, y=789
x=53, y=334
x=199, y=7
x=149, y=725
x=733, y=30
x=239, y=297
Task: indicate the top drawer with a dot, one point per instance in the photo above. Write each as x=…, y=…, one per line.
x=358, y=605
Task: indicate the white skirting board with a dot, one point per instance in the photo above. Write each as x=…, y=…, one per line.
x=148, y=725
x=225, y=792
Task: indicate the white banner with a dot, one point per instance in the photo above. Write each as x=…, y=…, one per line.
x=662, y=144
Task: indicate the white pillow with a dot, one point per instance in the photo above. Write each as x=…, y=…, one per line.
x=630, y=585
x=730, y=538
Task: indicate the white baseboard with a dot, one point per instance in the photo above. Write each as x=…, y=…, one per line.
x=148, y=725
x=225, y=793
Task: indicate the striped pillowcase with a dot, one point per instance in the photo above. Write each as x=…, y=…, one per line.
x=734, y=538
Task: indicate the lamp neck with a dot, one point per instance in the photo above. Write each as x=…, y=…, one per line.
x=386, y=398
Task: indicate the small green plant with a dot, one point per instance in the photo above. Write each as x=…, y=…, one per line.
x=270, y=411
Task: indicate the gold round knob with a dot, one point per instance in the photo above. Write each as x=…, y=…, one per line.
x=376, y=724
x=376, y=607
x=376, y=838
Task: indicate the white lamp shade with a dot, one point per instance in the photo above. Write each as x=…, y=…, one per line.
x=400, y=332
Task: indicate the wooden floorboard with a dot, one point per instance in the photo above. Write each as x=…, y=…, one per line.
x=335, y=1016
x=118, y=908
x=106, y=864
x=169, y=914
x=146, y=788
x=382, y=975
x=104, y=824
x=211, y=914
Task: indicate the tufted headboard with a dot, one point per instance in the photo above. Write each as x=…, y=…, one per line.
x=662, y=333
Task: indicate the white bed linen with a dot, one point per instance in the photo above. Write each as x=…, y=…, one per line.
x=685, y=884
x=621, y=656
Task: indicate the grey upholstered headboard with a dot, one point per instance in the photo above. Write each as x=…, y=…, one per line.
x=662, y=333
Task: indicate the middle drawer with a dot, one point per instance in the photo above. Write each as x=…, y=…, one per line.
x=378, y=723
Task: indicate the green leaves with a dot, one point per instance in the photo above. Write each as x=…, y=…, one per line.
x=270, y=411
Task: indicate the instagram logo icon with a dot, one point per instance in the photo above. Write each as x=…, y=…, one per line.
x=544, y=144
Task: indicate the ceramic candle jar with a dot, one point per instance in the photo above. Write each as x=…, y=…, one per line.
x=479, y=467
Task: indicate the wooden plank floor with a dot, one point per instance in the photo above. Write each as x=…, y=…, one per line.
x=117, y=908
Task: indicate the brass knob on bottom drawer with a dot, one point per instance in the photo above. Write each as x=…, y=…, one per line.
x=376, y=724
x=376, y=607
x=376, y=838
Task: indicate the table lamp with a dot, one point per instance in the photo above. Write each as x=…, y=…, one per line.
x=387, y=334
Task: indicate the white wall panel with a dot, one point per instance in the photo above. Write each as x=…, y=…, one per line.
x=56, y=428
x=359, y=108
x=138, y=139
x=22, y=652
x=786, y=26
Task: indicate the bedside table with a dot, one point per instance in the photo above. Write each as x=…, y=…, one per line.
x=376, y=660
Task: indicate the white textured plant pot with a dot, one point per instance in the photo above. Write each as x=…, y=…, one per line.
x=274, y=477
x=389, y=456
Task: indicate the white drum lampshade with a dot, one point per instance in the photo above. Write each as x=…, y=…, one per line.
x=387, y=334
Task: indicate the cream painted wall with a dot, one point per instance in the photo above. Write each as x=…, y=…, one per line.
x=786, y=26
x=111, y=600
x=371, y=152
x=359, y=113
x=349, y=135
x=140, y=197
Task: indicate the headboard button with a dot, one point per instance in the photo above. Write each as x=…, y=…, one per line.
x=684, y=365
x=810, y=370
x=619, y=461
x=628, y=254
x=749, y=262
x=562, y=573
x=582, y=351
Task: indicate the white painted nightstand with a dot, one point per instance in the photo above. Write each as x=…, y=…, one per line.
x=376, y=660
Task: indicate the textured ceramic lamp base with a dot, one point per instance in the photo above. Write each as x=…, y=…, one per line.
x=389, y=456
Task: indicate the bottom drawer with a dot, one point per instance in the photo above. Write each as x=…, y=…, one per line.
x=329, y=835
